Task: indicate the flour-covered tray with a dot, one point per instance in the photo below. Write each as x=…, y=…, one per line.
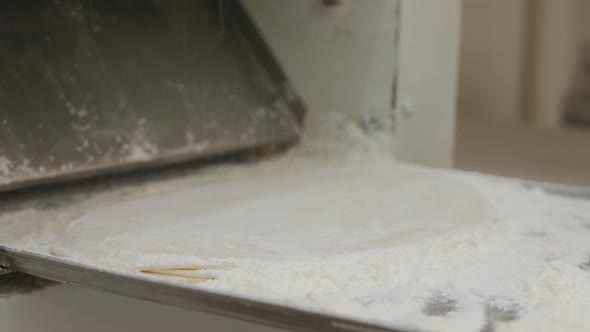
x=52, y=202
x=170, y=293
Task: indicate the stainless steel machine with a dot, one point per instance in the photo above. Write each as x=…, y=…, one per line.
x=89, y=88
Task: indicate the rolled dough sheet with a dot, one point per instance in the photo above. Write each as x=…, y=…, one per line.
x=311, y=215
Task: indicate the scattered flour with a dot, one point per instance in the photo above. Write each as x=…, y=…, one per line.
x=5, y=166
x=309, y=215
x=137, y=152
x=10, y=170
x=527, y=269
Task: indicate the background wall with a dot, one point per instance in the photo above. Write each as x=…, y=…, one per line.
x=552, y=59
x=493, y=54
x=518, y=58
x=524, y=83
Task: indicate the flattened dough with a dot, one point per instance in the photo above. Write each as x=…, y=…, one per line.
x=309, y=215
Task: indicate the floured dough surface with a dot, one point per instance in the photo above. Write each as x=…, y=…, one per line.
x=310, y=215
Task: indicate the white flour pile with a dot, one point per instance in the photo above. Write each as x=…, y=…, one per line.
x=311, y=215
x=518, y=261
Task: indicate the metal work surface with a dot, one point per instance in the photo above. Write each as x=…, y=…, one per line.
x=140, y=287
x=162, y=291
x=49, y=199
x=88, y=87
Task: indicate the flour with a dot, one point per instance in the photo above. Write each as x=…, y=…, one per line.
x=10, y=170
x=525, y=268
x=311, y=215
x=528, y=270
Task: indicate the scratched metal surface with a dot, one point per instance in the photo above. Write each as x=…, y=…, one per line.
x=88, y=87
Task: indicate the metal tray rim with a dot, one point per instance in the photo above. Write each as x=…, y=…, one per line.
x=166, y=292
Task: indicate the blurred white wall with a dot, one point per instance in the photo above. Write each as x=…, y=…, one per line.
x=518, y=58
x=493, y=55
x=552, y=59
